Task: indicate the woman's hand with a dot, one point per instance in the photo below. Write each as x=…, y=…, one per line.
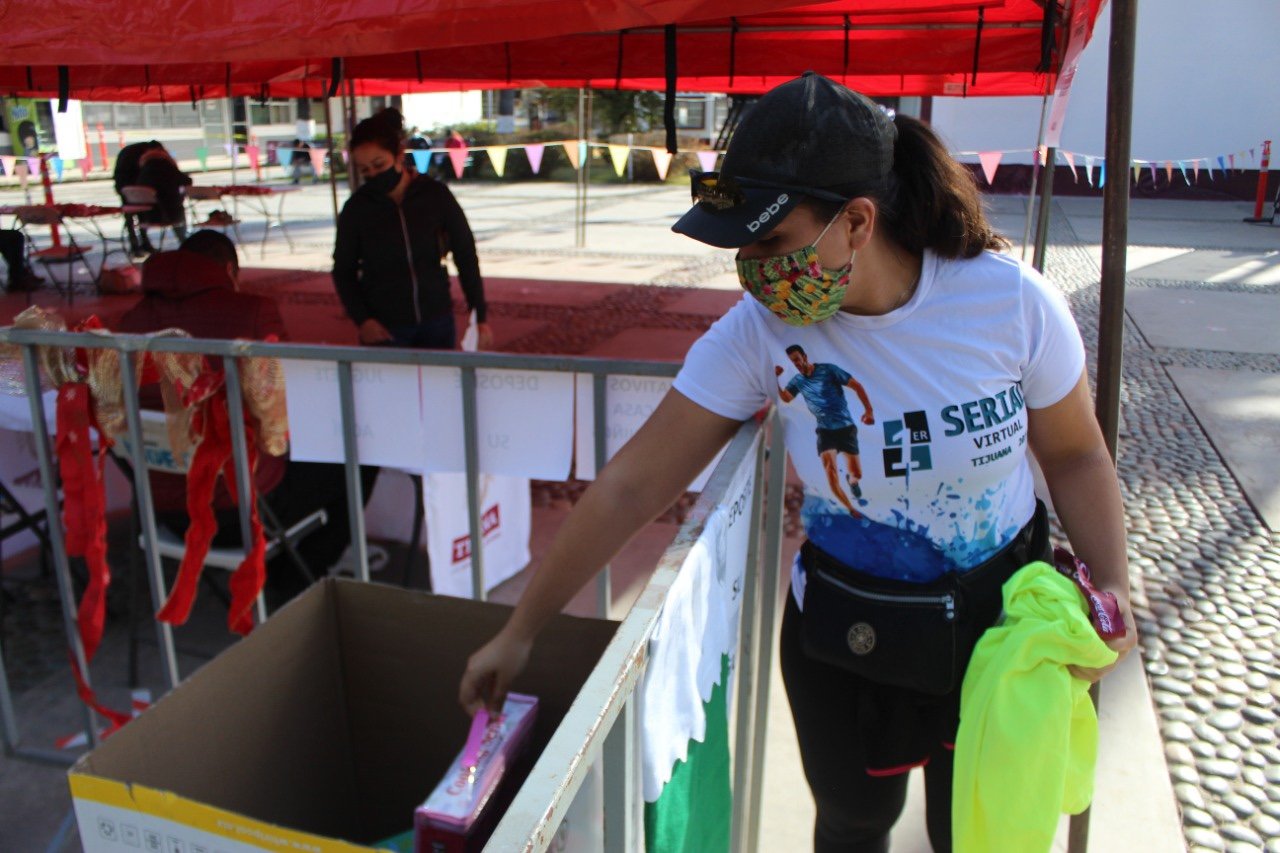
x=372, y=332
x=1121, y=645
x=490, y=671
x=484, y=336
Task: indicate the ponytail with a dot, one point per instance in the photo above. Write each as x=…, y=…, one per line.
x=931, y=201
x=384, y=129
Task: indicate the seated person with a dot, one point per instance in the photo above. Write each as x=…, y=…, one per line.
x=13, y=248
x=196, y=289
x=126, y=175
x=158, y=171
x=300, y=160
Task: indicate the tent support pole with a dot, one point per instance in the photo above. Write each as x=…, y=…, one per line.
x=1042, y=217
x=333, y=158
x=348, y=123
x=1115, y=237
x=229, y=116
x=579, y=201
x=1035, y=176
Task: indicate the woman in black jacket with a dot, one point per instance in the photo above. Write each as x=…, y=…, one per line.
x=393, y=234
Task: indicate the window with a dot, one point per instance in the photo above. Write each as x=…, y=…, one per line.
x=273, y=112
x=691, y=113
x=129, y=116
x=98, y=114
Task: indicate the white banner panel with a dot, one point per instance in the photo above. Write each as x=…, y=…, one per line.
x=630, y=402
x=388, y=410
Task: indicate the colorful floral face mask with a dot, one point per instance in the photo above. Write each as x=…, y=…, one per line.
x=794, y=286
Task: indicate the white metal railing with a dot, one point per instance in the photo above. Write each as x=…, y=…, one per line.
x=602, y=722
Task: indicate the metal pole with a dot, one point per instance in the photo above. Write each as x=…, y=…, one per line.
x=334, y=154
x=748, y=668
x=227, y=118
x=622, y=794
x=351, y=459
x=579, y=203
x=1115, y=238
x=600, y=409
x=585, y=151
x=53, y=516
x=147, y=516
x=240, y=456
x=471, y=450
x=1035, y=175
x=770, y=556
x=1042, y=217
x=349, y=119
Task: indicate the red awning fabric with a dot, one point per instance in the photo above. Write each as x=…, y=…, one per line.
x=125, y=32
x=880, y=47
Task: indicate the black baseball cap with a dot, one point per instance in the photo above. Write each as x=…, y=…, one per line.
x=809, y=137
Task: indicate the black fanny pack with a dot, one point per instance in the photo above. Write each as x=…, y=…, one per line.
x=915, y=636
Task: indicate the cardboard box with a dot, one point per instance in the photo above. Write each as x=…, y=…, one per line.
x=321, y=731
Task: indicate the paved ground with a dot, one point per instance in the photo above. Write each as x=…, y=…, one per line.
x=1190, y=749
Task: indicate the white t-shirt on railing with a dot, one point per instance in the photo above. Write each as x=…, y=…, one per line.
x=945, y=479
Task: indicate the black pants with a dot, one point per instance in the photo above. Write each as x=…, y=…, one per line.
x=12, y=245
x=855, y=809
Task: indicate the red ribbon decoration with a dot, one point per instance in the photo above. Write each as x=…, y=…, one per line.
x=85, y=523
x=213, y=455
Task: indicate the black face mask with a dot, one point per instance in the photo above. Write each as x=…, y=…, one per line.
x=385, y=181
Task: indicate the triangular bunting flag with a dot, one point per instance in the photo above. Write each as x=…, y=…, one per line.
x=1222, y=166
x=202, y=154
x=346, y=157
x=534, y=153
x=1137, y=171
x=707, y=160
x=1088, y=170
x=1154, y=179
x=317, y=156
x=458, y=157
x=1182, y=167
x=1168, y=171
x=572, y=151
x=990, y=161
x=498, y=159
x=56, y=162
x=86, y=166
x=421, y=160
x=662, y=160
x=619, y=154
x=1071, y=162
x=253, y=151
x=1102, y=174
x=1195, y=170
x=227, y=146
x=33, y=165
x=9, y=164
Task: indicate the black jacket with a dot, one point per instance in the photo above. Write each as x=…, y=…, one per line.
x=383, y=249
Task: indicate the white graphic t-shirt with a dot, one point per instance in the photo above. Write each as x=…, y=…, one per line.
x=909, y=429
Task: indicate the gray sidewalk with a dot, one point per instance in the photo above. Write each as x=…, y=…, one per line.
x=1189, y=731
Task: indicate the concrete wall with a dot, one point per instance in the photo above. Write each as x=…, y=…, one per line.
x=1204, y=86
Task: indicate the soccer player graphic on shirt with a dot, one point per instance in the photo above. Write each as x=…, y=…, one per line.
x=822, y=386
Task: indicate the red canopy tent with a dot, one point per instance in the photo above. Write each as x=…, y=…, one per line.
x=880, y=47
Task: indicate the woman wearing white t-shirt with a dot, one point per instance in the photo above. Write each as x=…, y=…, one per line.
x=865, y=253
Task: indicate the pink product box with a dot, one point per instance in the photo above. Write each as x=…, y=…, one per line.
x=462, y=811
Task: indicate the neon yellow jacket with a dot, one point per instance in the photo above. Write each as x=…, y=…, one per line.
x=1028, y=733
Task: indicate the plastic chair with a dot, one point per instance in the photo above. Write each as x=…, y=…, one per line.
x=66, y=253
x=141, y=195
x=160, y=458
x=225, y=221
